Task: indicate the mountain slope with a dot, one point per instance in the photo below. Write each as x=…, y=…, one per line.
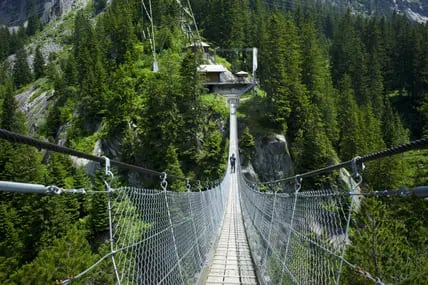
x=15, y=12
x=416, y=10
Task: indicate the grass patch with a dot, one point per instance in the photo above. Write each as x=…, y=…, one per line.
x=416, y=161
x=85, y=144
x=42, y=85
x=224, y=62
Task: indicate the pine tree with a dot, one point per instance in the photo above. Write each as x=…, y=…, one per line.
x=39, y=64
x=315, y=149
x=21, y=69
x=9, y=117
x=118, y=28
x=349, y=57
x=173, y=168
x=378, y=243
x=97, y=209
x=238, y=18
x=275, y=74
x=349, y=124
x=159, y=125
x=211, y=160
x=246, y=145
x=66, y=256
x=189, y=106
x=92, y=75
x=34, y=24
x=4, y=43
x=317, y=79
x=393, y=132
x=10, y=242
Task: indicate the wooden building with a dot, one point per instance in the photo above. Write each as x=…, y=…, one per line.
x=212, y=72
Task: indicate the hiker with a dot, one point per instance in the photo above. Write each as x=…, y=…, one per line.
x=232, y=163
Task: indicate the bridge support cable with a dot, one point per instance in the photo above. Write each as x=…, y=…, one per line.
x=22, y=139
x=359, y=160
x=7, y=186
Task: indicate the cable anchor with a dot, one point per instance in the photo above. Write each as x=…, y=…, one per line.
x=357, y=166
x=188, y=185
x=107, y=172
x=297, y=183
x=164, y=182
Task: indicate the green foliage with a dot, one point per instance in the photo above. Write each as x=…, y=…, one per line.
x=173, y=168
x=5, y=38
x=66, y=256
x=246, y=145
x=212, y=162
x=21, y=70
x=118, y=28
x=97, y=210
x=34, y=24
x=39, y=64
x=92, y=76
x=387, y=240
x=324, y=78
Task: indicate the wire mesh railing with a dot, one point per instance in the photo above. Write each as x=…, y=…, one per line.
x=162, y=237
x=155, y=236
x=323, y=236
x=296, y=238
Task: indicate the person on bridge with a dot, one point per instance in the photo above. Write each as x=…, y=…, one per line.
x=232, y=163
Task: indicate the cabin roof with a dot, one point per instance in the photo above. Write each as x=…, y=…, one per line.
x=241, y=73
x=211, y=68
x=198, y=44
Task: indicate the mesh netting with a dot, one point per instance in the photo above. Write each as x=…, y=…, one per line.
x=163, y=237
x=296, y=238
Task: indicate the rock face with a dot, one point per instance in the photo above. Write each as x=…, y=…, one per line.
x=417, y=10
x=15, y=12
x=34, y=103
x=272, y=159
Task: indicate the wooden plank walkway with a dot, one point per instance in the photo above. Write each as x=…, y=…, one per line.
x=232, y=263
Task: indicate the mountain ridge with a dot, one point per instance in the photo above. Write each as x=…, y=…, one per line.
x=416, y=10
x=16, y=12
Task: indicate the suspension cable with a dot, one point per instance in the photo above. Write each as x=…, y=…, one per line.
x=413, y=145
x=18, y=138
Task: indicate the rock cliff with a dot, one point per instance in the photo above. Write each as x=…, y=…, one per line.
x=272, y=160
x=15, y=12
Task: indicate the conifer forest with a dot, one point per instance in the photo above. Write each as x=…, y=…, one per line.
x=335, y=83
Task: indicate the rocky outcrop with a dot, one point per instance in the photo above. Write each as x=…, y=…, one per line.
x=416, y=10
x=34, y=103
x=15, y=12
x=272, y=160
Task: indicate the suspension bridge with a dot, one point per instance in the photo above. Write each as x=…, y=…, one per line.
x=227, y=232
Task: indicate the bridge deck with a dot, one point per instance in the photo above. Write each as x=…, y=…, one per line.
x=232, y=262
